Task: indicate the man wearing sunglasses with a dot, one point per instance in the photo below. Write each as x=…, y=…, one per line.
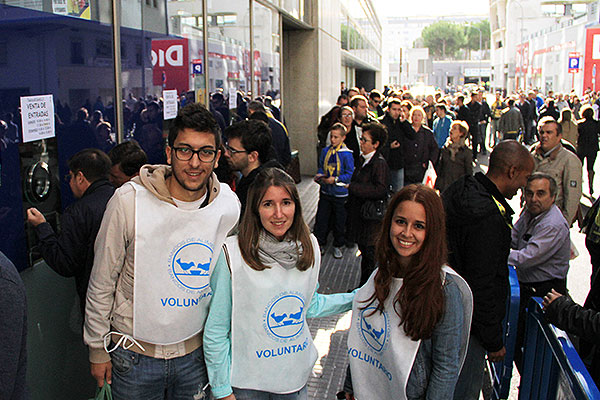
x=154, y=268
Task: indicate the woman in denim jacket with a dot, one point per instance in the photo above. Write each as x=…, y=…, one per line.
x=411, y=320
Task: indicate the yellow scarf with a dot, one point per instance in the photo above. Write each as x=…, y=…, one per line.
x=332, y=170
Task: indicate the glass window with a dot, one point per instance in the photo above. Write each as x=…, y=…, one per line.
x=266, y=52
x=229, y=49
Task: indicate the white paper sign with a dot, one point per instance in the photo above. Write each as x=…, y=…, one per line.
x=169, y=104
x=37, y=117
x=232, y=98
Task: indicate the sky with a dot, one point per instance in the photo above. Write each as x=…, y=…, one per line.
x=431, y=8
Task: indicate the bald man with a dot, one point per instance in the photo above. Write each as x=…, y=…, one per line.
x=479, y=224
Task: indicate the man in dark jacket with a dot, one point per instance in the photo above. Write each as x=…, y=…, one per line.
x=280, y=139
x=479, y=224
x=474, y=107
x=71, y=253
x=392, y=151
x=248, y=150
x=361, y=117
x=584, y=322
x=529, y=114
x=13, y=331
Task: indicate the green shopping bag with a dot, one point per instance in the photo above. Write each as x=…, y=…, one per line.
x=103, y=393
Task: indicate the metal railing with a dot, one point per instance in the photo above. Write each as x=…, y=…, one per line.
x=501, y=372
x=552, y=369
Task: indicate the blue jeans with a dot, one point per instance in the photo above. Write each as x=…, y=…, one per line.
x=470, y=380
x=249, y=394
x=139, y=377
x=397, y=179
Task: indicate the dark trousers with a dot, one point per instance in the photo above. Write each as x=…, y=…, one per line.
x=330, y=211
x=367, y=262
x=474, y=139
x=529, y=290
x=482, y=133
x=594, y=250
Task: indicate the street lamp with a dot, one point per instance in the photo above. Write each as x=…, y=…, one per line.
x=480, y=53
x=523, y=73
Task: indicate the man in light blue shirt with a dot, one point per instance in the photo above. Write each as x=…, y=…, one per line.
x=541, y=247
x=441, y=125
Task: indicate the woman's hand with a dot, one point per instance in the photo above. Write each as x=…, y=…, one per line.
x=550, y=297
x=230, y=397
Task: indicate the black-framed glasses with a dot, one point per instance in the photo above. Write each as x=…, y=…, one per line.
x=364, y=139
x=234, y=151
x=205, y=154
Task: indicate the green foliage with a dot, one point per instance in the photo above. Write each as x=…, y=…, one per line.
x=445, y=39
x=472, y=35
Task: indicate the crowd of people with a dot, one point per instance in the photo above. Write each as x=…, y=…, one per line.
x=195, y=266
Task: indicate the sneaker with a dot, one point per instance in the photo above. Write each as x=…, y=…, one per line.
x=337, y=252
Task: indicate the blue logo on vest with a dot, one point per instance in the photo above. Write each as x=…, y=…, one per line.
x=191, y=265
x=285, y=316
x=373, y=328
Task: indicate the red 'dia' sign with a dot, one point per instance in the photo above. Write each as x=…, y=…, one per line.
x=170, y=64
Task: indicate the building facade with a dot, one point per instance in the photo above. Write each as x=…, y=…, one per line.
x=535, y=41
x=402, y=47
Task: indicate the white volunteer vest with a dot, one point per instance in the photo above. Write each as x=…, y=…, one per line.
x=271, y=346
x=381, y=354
x=175, y=254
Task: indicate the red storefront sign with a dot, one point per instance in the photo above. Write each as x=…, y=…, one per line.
x=522, y=61
x=170, y=64
x=592, y=60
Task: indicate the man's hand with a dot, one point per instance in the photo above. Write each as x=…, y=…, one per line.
x=102, y=371
x=230, y=397
x=497, y=355
x=550, y=297
x=394, y=144
x=329, y=181
x=34, y=217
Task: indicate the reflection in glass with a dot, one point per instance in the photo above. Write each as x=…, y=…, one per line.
x=266, y=52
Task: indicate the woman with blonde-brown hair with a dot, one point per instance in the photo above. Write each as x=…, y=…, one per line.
x=411, y=320
x=257, y=344
x=420, y=147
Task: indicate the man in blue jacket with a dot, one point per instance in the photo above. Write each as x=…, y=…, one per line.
x=13, y=331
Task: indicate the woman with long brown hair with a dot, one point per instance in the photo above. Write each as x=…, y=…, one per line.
x=411, y=320
x=257, y=344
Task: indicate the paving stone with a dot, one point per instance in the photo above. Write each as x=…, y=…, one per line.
x=330, y=333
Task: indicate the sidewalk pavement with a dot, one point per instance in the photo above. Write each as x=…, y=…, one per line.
x=329, y=333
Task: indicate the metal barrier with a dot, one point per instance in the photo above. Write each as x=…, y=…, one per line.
x=552, y=369
x=501, y=372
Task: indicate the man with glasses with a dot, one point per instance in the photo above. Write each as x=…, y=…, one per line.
x=248, y=150
x=71, y=252
x=154, y=268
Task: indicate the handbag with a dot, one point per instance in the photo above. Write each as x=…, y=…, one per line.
x=103, y=393
x=373, y=210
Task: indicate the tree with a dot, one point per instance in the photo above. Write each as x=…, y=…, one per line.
x=472, y=35
x=443, y=39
